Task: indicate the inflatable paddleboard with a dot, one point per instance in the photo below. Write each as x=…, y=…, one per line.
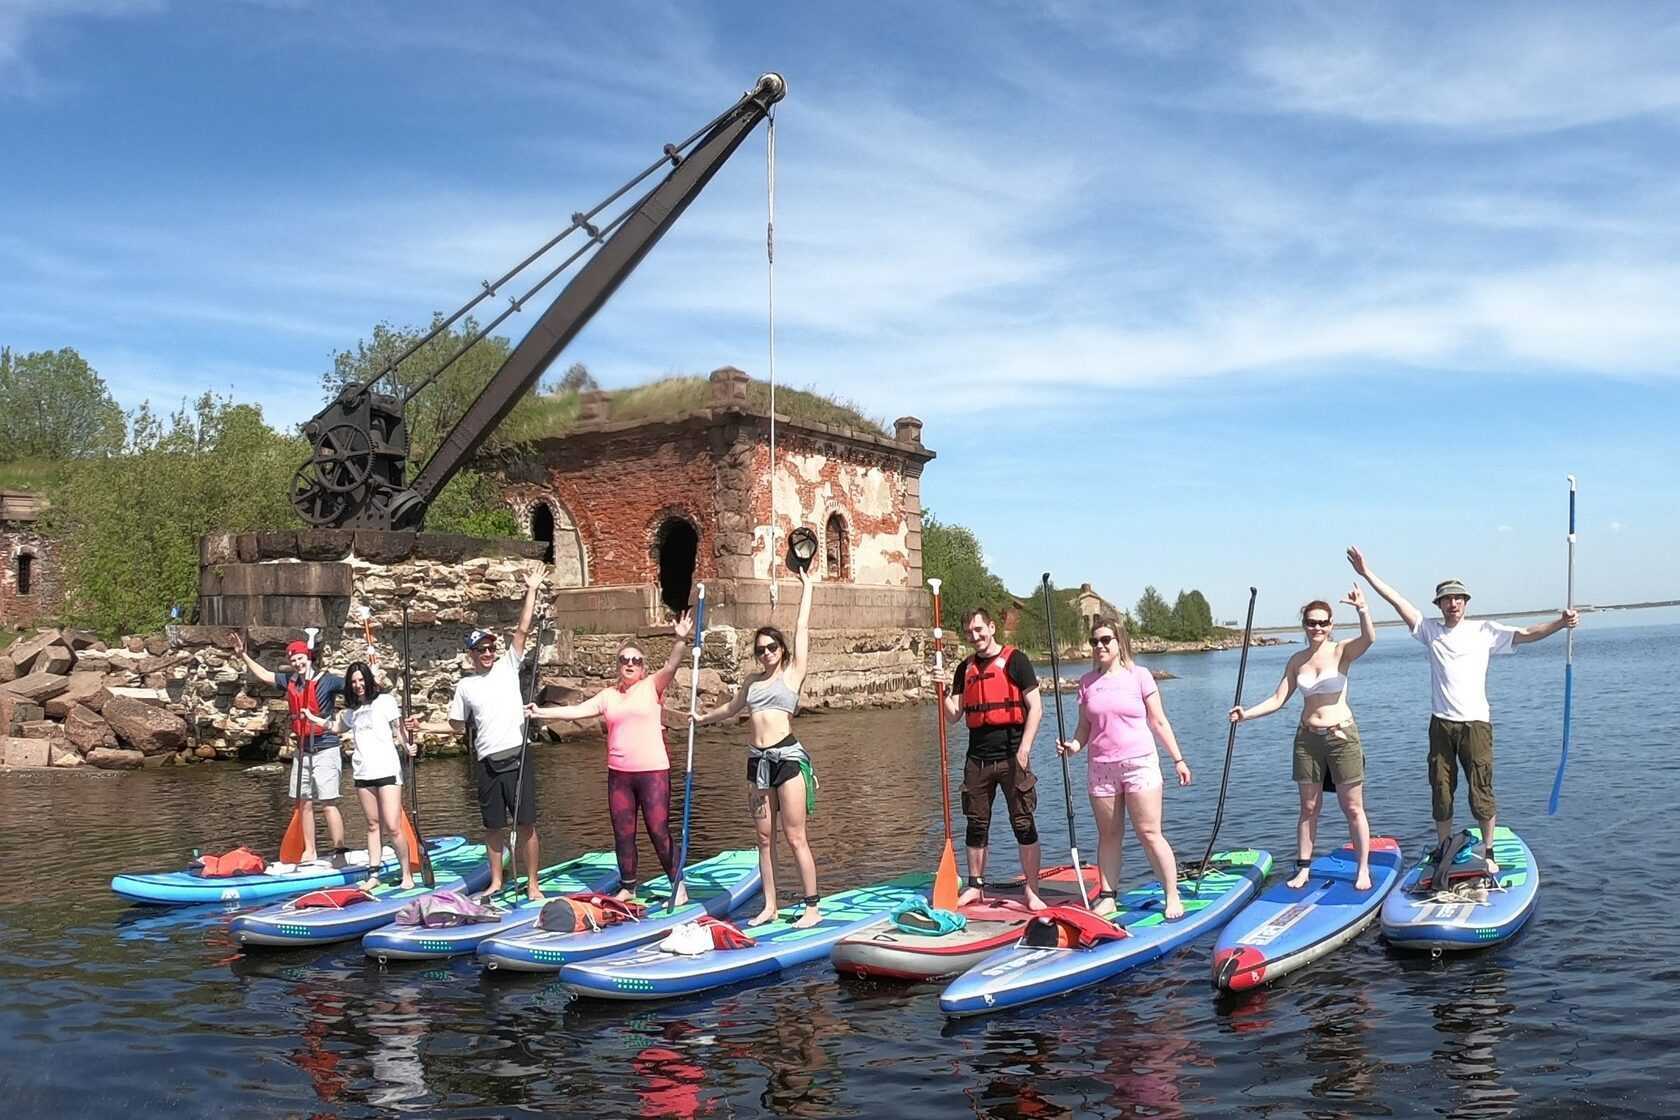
x=463, y=868
x=1288, y=927
x=1464, y=919
x=718, y=886
x=189, y=888
x=881, y=950
x=596, y=872
x=1023, y=974
x=652, y=973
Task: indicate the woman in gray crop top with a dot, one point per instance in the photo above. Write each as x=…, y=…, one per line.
x=781, y=782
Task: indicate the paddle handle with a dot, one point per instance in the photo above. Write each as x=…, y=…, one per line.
x=1568, y=656
x=1061, y=736
x=693, y=713
x=939, y=697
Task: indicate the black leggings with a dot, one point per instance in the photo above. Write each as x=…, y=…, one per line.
x=649, y=791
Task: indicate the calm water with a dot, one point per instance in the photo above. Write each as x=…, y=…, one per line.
x=105, y=1008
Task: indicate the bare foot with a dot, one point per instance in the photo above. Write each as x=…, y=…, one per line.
x=407, y=884
x=969, y=895
x=535, y=894
x=369, y=883
x=1174, y=909
x=809, y=918
x=307, y=857
x=764, y=916
x=1362, y=881
x=624, y=894
x=1034, y=902
x=1104, y=908
x=1299, y=879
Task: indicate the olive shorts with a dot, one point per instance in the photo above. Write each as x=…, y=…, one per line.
x=1452, y=744
x=1333, y=750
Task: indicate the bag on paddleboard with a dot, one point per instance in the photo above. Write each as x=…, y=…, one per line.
x=579, y=912
x=1069, y=927
x=444, y=909
x=335, y=898
x=694, y=938
x=240, y=861
x=917, y=916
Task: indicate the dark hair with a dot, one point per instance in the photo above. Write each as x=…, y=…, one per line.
x=368, y=683
x=981, y=613
x=781, y=643
x=1317, y=603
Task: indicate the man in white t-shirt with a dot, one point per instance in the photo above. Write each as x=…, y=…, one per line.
x=490, y=698
x=1460, y=725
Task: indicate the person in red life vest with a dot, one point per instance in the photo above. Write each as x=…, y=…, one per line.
x=307, y=689
x=995, y=692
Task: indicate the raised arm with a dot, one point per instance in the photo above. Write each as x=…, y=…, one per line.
x=1354, y=648
x=589, y=709
x=1279, y=697
x=1409, y=614
x=683, y=630
x=253, y=669
x=801, y=632
x=533, y=580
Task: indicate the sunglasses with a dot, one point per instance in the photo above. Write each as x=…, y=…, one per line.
x=488, y=643
x=1316, y=623
x=1103, y=640
x=630, y=659
x=767, y=647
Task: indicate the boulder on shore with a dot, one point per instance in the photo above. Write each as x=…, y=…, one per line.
x=25, y=651
x=37, y=688
x=17, y=751
x=107, y=758
x=84, y=689
x=86, y=729
x=151, y=729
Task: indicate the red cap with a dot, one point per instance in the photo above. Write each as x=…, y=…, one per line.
x=297, y=647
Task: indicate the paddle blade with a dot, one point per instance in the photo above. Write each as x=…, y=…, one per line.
x=291, y=845
x=945, y=880
x=413, y=840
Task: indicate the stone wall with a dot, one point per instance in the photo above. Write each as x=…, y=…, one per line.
x=22, y=550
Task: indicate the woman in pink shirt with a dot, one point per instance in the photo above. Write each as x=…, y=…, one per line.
x=638, y=768
x=1120, y=718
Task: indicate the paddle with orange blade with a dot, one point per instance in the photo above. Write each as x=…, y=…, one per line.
x=945, y=880
x=292, y=845
x=417, y=859
x=427, y=876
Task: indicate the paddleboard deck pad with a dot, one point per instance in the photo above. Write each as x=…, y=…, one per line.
x=718, y=887
x=1024, y=974
x=189, y=888
x=1465, y=918
x=650, y=972
x=1289, y=927
x=881, y=950
x=462, y=868
x=589, y=873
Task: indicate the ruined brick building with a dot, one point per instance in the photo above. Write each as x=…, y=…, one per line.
x=30, y=585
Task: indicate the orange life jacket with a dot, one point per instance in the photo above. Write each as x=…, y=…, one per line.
x=989, y=697
x=240, y=861
x=300, y=699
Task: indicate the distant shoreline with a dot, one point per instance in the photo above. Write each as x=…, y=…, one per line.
x=1584, y=608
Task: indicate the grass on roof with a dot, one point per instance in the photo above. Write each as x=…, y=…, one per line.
x=38, y=476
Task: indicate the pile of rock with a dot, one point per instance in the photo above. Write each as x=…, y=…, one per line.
x=66, y=699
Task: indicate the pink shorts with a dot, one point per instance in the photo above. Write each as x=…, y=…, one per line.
x=1137, y=774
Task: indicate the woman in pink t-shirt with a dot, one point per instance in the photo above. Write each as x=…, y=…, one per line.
x=638, y=768
x=1120, y=718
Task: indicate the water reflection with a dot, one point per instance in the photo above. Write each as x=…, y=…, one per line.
x=1472, y=1020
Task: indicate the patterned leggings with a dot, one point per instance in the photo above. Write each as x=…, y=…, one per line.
x=649, y=790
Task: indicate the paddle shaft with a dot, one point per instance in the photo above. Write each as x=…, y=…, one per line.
x=1230, y=744
x=693, y=714
x=1568, y=657
x=427, y=875
x=939, y=695
x=1061, y=737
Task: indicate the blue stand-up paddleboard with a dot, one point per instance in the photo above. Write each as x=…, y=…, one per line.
x=718, y=887
x=190, y=888
x=1287, y=927
x=652, y=973
x=1025, y=973
x=463, y=868
x=1470, y=916
x=590, y=873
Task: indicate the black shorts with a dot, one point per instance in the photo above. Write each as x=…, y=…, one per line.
x=781, y=772
x=375, y=783
x=498, y=781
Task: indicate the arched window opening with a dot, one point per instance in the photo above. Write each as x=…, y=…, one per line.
x=676, y=547
x=837, y=564
x=542, y=529
x=25, y=573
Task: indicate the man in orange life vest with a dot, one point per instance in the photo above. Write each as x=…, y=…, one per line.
x=995, y=692
x=306, y=688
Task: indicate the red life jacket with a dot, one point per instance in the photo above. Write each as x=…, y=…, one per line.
x=302, y=699
x=989, y=697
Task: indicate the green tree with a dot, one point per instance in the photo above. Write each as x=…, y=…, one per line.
x=54, y=406
x=1153, y=615
x=577, y=379
x=1033, y=634
x=952, y=553
x=130, y=522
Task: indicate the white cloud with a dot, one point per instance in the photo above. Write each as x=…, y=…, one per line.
x=1505, y=529
x=1616, y=526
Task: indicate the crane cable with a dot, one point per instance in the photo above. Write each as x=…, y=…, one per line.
x=770, y=260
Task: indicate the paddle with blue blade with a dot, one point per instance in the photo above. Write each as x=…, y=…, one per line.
x=693, y=715
x=1568, y=658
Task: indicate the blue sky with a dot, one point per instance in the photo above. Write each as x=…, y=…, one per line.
x=1186, y=295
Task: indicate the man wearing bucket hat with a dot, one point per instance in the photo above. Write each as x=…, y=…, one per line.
x=307, y=689
x=1460, y=725
x=489, y=698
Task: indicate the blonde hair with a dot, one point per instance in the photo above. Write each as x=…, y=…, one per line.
x=1122, y=640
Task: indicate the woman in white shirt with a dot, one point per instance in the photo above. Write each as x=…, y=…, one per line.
x=375, y=723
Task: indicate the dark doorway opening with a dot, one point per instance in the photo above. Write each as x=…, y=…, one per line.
x=25, y=573
x=542, y=529
x=837, y=567
x=677, y=548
